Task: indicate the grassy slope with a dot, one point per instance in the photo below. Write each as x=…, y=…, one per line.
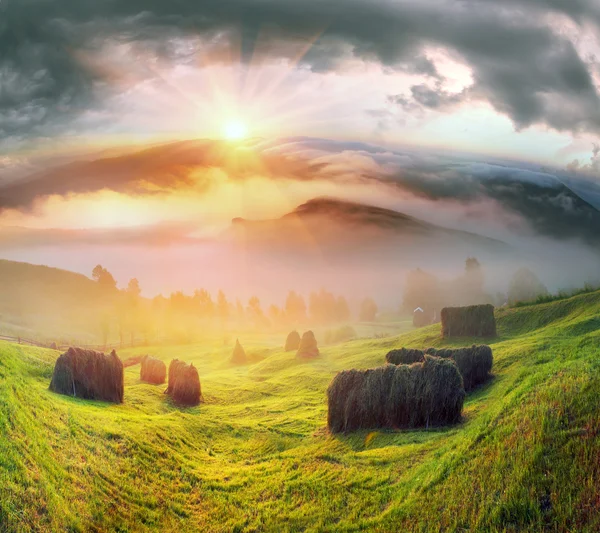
x=39, y=301
x=256, y=456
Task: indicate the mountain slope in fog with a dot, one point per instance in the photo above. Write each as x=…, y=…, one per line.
x=341, y=227
x=43, y=302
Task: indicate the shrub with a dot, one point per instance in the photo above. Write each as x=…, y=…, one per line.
x=184, y=383
x=308, y=346
x=474, y=363
x=292, y=342
x=426, y=394
x=88, y=374
x=470, y=321
x=238, y=355
x=153, y=370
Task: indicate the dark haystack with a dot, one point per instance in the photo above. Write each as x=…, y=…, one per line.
x=474, y=363
x=471, y=321
x=308, y=346
x=175, y=369
x=53, y=346
x=88, y=374
x=153, y=370
x=404, y=356
x=423, y=394
x=184, y=383
x=292, y=342
x=238, y=356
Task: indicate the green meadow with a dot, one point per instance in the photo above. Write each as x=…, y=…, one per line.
x=256, y=455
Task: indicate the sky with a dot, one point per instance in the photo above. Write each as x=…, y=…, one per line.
x=131, y=128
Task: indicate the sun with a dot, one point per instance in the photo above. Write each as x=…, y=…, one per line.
x=235, y=130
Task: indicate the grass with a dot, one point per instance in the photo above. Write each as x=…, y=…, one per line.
x=256, y=455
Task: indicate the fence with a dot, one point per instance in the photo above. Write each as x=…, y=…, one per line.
x=56, y=346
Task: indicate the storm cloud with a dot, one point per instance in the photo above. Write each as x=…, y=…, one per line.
x=521, y=62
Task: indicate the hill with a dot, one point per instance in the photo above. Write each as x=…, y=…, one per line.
x=337, y=227
x=43, y=302
x=256, y=456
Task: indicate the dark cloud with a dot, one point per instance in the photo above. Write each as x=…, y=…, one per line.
x=425, y=96
x=524, y=67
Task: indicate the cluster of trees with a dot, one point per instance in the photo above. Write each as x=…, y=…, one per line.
x=430, y=293
x=179, y=312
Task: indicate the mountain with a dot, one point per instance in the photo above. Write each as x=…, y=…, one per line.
x=334, y=226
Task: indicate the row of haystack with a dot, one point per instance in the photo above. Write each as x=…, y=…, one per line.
x=429, y=393
x=306, y=346
x=93, y=375
x=474, y=362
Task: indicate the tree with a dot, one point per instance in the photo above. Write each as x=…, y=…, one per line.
x=105, y=328
x=342, y=309
x=239, y=310
x=133, y=293
x=255, y=312
x=276, y=315
x=322, y=307
x=133, y=289
x=222, y=306
x=203, y=303
x=295, y=307
x=368, y=310
x=103, y=277
x=474, y=275
x=525, y=286
x=422, y=290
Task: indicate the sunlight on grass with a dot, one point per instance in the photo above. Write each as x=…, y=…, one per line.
x=256, y=455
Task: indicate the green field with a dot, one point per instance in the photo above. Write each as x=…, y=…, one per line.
x=256, y=456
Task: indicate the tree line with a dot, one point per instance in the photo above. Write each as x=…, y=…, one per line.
x=180, y=312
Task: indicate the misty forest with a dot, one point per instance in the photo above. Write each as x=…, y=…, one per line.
x=283, y=266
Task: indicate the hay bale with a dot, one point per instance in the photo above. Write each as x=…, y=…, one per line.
x=474, y=362
x=184, y=383
x=404, y=356
x=153, y=370
x=238, y=355
x=175, y=369
x=89, y=375
x=53, y=346
x=292, y=342
x=186, y=390
x=426, y=394
x=308, y=346
x=470, y=321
